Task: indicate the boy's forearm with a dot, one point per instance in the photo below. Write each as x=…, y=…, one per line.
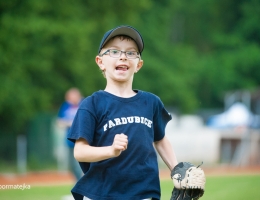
x=165, y=150
x=93, y=154
x=83, y=152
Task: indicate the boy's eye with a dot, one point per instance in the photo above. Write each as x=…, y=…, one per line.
x=114, y=51
x=131, y=53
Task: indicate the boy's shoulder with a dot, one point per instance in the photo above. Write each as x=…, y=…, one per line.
x=93, y=97
x=151, y=95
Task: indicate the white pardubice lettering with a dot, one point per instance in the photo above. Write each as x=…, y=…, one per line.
x=126, y=120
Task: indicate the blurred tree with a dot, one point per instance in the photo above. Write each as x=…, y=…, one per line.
x=225, y=37
x=195, y=51
x=49, y=46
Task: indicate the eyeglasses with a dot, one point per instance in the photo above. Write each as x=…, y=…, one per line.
x=114, y=53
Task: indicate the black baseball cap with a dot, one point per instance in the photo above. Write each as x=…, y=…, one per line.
x=123, y=30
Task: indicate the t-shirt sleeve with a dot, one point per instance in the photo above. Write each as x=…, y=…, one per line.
x=84, y=123
x=161, y=118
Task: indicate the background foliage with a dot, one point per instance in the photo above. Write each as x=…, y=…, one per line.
x=195, y=51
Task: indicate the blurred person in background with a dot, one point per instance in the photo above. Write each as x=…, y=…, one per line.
x=66, y=115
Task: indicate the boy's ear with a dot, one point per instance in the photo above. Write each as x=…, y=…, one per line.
x=139, y=65
x=99, y=62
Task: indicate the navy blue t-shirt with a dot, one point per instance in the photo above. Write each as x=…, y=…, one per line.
x=134, y=174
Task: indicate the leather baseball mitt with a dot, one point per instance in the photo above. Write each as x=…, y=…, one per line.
x=189, y=182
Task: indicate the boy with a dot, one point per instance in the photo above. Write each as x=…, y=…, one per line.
x=116, y=129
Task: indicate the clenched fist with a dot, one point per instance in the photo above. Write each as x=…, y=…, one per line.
x=119, y=144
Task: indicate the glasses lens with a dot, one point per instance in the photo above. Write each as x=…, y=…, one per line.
x=131, y=54
x=115, y=53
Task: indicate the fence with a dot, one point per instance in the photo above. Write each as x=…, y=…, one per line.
x=35, y=148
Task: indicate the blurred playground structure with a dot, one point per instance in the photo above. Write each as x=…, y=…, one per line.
x=229, y=138
x=195, y=142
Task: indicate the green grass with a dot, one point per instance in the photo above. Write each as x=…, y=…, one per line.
x=224, y=188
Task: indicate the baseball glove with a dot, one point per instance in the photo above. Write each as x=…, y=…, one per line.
x=189, y=182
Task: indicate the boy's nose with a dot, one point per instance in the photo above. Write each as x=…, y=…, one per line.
x=123, y=55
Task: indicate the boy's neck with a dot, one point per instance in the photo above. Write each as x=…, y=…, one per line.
x=120, y=91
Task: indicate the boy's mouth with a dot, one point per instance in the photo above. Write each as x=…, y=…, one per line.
x=122, y=68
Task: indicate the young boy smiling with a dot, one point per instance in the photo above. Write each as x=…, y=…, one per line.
x=116, y=129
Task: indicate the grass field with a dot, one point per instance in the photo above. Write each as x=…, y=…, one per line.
x=224, y=188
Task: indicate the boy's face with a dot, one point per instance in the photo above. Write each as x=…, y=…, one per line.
x=119, y=69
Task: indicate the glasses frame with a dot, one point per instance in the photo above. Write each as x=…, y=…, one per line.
x=107, y=52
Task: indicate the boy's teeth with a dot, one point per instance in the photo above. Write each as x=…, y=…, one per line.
x=121, y=68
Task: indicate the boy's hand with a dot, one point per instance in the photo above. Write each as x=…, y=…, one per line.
x=119, y=144
x=189, y=182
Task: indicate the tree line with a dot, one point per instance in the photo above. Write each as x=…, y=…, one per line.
x=195, y=51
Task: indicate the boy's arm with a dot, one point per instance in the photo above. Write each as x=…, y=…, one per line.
x=83, y=152
x=165, y=150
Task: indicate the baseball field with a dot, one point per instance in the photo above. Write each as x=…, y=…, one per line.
x=224, y=187
x=221, y=184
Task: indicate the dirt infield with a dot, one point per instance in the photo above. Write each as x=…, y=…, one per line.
x=38, y=178
x=56, y=178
